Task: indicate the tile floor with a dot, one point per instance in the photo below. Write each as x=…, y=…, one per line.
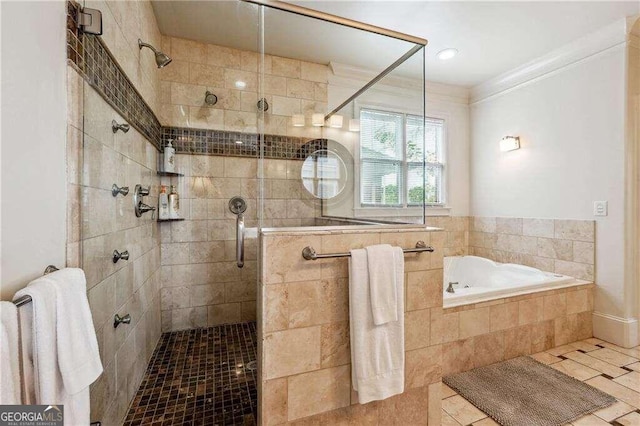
x=610, y=368
x=200, y=377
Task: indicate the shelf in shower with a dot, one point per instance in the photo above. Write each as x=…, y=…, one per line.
x=171, y=174
x=171, y=220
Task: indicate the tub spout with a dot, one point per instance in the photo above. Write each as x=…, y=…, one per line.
x=450, y=288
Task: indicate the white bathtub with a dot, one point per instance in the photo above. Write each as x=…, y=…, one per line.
x=481, y=279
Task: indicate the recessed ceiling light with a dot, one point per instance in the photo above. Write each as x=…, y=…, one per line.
x=241, y=84
x=445, y=54
x=239, y=142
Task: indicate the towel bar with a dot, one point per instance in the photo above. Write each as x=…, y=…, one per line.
x=27, y=299
x=309, y=253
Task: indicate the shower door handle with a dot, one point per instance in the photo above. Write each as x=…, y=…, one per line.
x=240, y=240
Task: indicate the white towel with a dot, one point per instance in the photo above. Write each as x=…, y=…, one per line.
x=382, y=283
x=377, y=351
x=10, y=387
x=65, y=349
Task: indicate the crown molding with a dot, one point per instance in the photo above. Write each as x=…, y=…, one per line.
x=603, y=39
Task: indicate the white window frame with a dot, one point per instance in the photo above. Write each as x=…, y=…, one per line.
x=431, y=209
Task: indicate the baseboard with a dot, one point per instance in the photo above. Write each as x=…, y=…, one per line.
x=619, y=331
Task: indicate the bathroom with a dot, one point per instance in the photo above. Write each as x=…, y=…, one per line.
x=216, y=306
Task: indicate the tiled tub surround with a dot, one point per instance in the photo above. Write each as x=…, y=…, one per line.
x=480, y=334
x=290, y=87
x=563, y=246
x=304, y=330
x=201, y=284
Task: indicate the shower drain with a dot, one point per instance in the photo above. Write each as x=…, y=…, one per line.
x=251, y=366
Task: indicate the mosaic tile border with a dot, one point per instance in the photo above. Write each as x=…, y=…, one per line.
x=238, y=144
x=95, y=63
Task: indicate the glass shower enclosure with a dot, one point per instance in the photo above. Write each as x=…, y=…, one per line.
x=281, y=117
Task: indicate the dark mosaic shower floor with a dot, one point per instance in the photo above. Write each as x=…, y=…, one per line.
x=200, y=377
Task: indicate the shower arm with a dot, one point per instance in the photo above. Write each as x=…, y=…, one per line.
x=142, y=44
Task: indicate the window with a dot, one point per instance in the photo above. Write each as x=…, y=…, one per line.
x=391, y=159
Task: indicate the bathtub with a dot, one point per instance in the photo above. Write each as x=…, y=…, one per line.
x=481, y=279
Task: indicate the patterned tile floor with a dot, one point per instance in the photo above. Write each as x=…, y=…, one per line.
x=610, y=368
x=200, y=377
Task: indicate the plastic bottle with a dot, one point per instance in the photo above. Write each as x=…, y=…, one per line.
x=163, y=203
x=174, y=204
x=169, y=157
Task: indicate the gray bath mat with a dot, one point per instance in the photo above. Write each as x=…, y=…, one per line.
x=523, y=391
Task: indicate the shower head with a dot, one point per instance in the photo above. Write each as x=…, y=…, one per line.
x=210, y=98
x=162, y=59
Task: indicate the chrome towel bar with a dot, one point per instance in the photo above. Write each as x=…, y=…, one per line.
x=309, y=253
x=26, y=298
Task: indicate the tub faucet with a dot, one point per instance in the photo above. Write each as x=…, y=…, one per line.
x=450, y=288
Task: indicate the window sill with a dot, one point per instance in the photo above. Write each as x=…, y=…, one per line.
x=401, y=211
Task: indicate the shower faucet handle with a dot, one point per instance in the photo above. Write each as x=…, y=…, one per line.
x=144, y=191
x=115, y=190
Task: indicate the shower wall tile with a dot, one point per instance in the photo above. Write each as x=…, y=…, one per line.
x=305, y=329
x=199, y=252
x=198, y=68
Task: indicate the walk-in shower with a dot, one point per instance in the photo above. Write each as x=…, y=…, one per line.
x=316, y=121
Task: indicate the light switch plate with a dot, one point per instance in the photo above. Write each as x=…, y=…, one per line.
x=600, y=208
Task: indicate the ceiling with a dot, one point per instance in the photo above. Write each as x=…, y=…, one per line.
x=492, y=37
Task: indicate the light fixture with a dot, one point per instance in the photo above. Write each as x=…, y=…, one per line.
x=317, y=120
x=162, y=59
x=354, y=125
x=509, y=143
x=240, y=84
x=335, y=121
x=297, y=120
x=239, y=142
x=448, y=53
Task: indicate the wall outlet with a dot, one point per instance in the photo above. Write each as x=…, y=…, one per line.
x=600, y=208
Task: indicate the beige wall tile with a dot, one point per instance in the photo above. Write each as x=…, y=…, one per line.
x=285, y=67
x=538, y=228
x=318, y=302
x=504, y=316
x=578, y=301
x=291, y=352
x=410, y=408
x=474, y=322
x=577, y=230
x=509, y=225
x=423, y=366
x=517, y=341
x=417, y=329
x=577, y=270
x=555, y=249
x=424, y=289
x=335, y=346
x=488, y=349
x=225, y=313
x=276, y=308
x=583, y=252
x=457, y=356
x=530, y=311
x=274, y=402
x=554, y=306
x=330, y=387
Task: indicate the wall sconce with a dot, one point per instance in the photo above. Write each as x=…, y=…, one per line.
x=335, y=121
x=317, y=120
x=509, y=143
x=297, y=120
x=354, y=125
